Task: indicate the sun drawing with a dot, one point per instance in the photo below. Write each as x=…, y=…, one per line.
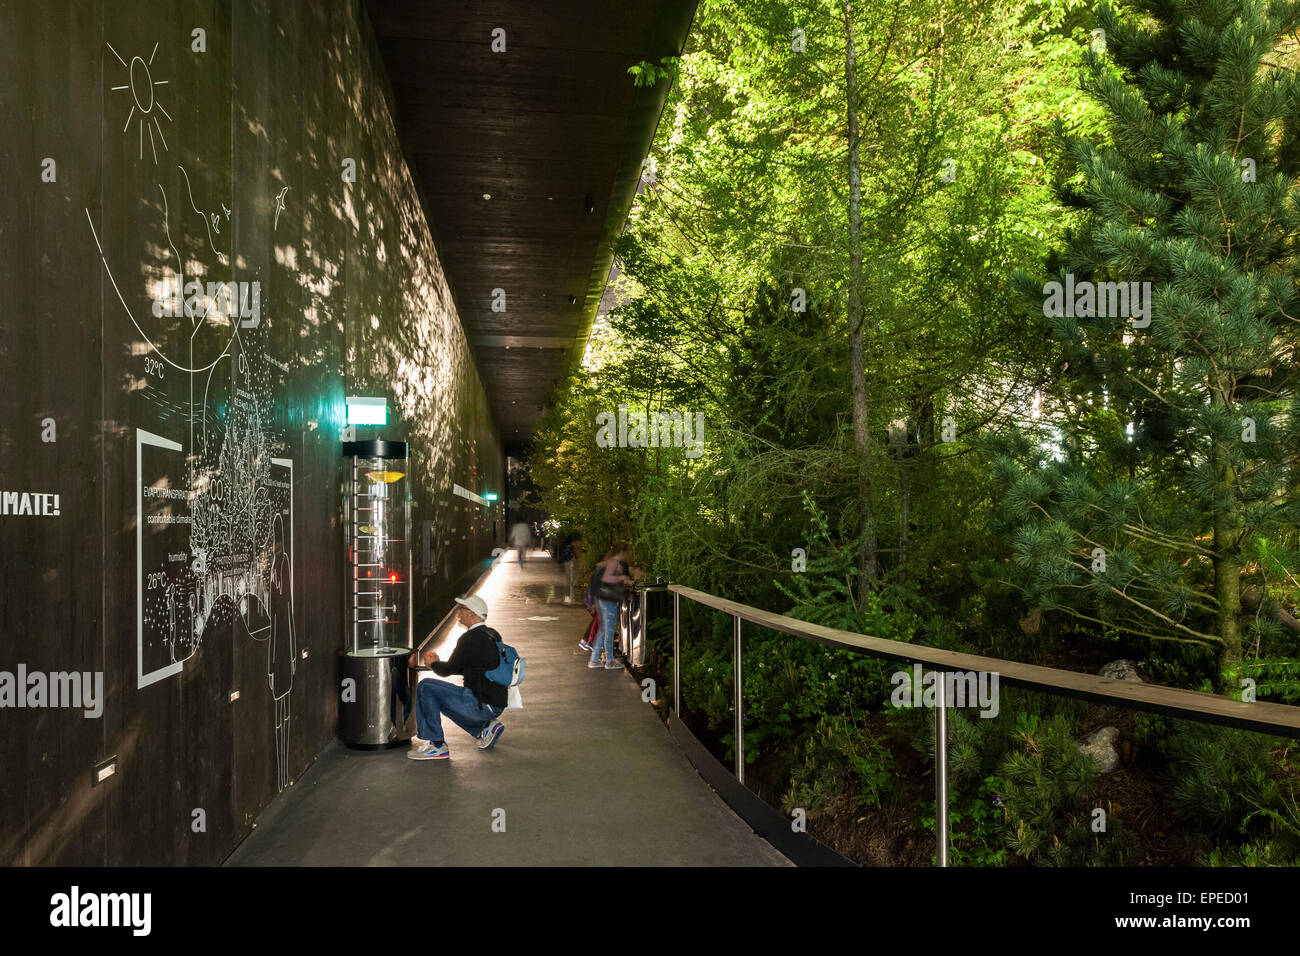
x=141, y=86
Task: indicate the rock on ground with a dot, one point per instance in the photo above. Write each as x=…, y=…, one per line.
x=1120, y=670
x=1100, y=745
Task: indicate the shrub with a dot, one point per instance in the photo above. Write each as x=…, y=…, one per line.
x=839, y=755
x=1228, y=785
x=1046, y=786
x=975, y=826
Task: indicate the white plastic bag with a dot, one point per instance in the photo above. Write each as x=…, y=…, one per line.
x=513, y=700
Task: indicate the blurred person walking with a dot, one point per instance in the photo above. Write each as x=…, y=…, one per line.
x=571, y=554
x=519, y=539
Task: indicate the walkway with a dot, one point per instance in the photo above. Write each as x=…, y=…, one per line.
x=585, y=773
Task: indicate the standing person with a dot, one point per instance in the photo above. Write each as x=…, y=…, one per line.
x=475, y=707
x=609, y=593
x=519, y=536
x=589, y=599
x=571, y=555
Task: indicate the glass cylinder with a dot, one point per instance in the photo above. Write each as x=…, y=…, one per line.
x=379, y=553
x=376, y=707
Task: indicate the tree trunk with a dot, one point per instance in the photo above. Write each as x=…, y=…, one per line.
x=867, y=569
x=916, y=470
x=1227, y=590
x=904, y=500
x=1227, y=558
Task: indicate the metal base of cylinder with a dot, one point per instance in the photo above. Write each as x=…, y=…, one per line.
x=377, y=707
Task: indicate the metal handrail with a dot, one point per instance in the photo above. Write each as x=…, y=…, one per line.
x=1263, y=717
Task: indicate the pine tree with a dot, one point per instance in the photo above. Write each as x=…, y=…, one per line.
x=1174, y=514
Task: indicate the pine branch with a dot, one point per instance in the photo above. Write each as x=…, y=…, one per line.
x=1196, y=635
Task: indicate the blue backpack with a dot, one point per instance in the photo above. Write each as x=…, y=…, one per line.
x=510, y=671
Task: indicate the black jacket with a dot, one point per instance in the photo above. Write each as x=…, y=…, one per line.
x=476, y=653
x=607, y=590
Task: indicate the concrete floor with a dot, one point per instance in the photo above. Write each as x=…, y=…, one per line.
x=585, y=773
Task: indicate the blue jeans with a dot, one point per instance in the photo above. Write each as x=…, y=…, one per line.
x=608, y=611
x=434, y=698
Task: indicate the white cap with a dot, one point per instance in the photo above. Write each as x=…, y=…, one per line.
x=475, y=604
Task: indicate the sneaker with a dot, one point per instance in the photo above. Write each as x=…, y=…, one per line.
x=613, y=666
x=490, y=734
x=585, y=645
x=429, y=751
x=595, y=664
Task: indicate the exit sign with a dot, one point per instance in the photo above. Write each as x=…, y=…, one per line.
x=367, y=411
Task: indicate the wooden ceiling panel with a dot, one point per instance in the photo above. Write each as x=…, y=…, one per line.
x=574, y=26
x=548, y=128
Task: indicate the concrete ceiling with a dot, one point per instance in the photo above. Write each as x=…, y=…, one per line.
x=549, y=128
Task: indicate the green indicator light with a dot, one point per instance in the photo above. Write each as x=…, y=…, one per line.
x=367, y=411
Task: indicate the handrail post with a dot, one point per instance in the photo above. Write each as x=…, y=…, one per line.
x=677, y=653
x=940, y=769
x=740, y=729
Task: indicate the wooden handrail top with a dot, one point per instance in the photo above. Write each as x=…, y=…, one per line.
x=1261, y=716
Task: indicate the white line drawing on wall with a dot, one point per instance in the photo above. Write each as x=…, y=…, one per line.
x=143, y=678
x=179, y=268
x=209, y=220
x=140, y=83
x=126, y=308
x=279, y=207
x=214, y=519
x=282, y=644
x=238, y=549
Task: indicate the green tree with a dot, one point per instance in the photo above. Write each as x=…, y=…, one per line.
x=750, y=207
x=1180, y=497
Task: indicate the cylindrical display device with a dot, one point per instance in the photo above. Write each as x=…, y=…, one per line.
x=377, y=703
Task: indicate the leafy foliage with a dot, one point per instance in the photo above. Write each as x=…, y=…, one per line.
x=1035, y=482
x=1227, y=785
x=1046, y=783
x=1174, y=482
x=839, y=754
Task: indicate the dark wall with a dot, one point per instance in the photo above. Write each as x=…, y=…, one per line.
x=198, y=549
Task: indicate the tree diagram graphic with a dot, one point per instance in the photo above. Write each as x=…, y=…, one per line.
x=214, y=522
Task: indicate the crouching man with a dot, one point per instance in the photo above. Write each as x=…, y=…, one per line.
x=473, y=708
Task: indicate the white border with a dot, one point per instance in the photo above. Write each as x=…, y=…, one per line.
x=142, y=679
x=288, y=463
